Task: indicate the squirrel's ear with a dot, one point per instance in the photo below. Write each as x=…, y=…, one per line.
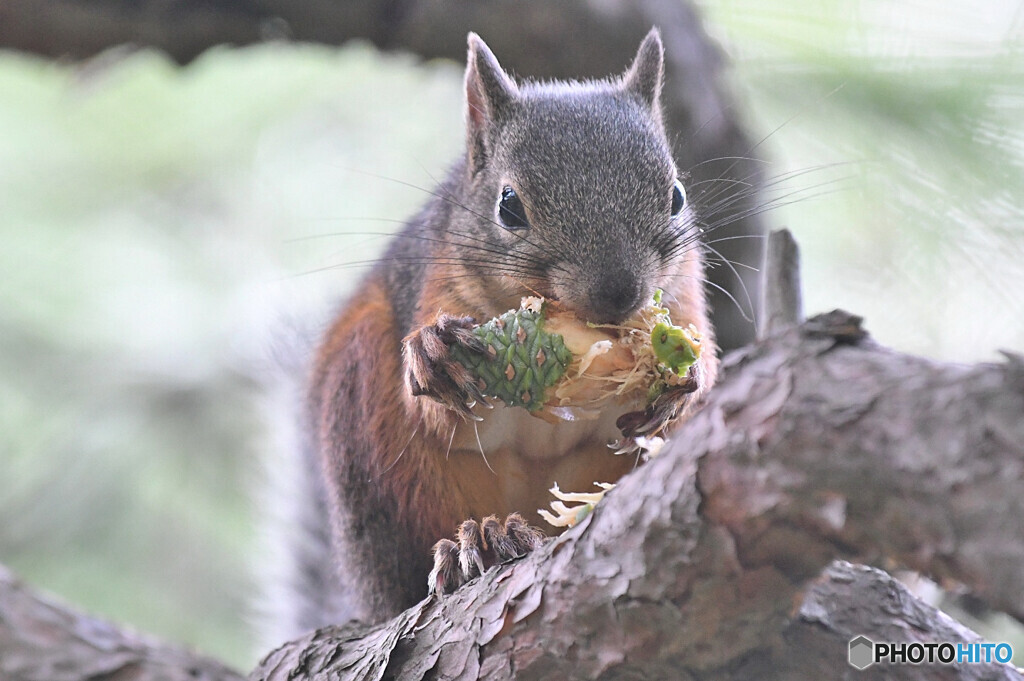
x=489, y=93
x=643, y=78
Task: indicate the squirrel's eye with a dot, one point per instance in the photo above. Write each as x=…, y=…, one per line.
x=678, y=198
x=510, y=210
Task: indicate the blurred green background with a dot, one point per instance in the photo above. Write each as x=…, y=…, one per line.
x=159, y=225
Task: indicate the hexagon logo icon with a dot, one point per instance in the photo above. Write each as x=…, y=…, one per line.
x=862, y=652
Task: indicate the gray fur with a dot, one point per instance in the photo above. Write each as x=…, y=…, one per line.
x=644, y=77
x=596, y=233
x=295, y=573
x=489, y=94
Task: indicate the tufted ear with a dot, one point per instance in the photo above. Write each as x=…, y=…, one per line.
x=644, y=77
x=489, y=94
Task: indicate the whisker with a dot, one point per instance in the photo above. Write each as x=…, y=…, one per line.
x=478, y=444
x=737, y=236
x=735, y=272
x=494, y=250
x=735, y=263
x=752, y=159
x=778, y=201
x=331, y=235
x=728, y=295
x=451, y=201
x=425, y=260
x=780, y=127
x=774, y=204
x=401, y=453
x=450, y=441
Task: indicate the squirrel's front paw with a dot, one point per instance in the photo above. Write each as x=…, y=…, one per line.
x=480, y=546
x=665, y=409
x=430, y=368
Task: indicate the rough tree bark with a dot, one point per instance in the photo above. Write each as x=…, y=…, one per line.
x=725, y=556
x=42, y=640
x=564, y=39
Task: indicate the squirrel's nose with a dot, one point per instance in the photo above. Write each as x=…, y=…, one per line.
x=614, y=297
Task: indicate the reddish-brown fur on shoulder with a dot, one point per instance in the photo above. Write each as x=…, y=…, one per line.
x=379, y=445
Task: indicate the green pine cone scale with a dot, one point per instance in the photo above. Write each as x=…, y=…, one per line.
x=522, y=359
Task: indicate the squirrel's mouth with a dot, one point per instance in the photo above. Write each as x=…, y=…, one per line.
x=604, y=305
x=608, y=300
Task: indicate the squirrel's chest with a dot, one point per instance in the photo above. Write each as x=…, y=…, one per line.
x=510, y=460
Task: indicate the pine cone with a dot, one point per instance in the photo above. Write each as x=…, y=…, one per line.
x=522, y=359
x=543, y=359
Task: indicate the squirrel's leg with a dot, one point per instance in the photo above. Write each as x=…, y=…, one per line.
x=480, y=546
x=431, y=371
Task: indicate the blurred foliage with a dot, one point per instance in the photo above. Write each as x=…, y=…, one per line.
x=903, y=124
x=158, y=224
x=149, y=221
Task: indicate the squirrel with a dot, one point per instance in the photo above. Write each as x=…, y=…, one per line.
x=567, y=190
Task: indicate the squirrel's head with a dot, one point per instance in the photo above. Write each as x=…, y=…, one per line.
x=572, y=186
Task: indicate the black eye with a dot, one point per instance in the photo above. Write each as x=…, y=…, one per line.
x=510, y=210
x=678, y=198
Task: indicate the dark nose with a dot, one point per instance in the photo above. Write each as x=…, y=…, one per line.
x=614, y=296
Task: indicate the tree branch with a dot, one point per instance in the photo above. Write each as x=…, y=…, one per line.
x=845, y=602
x=874, y=454
x=708, y=561
x=812, y=448
x=782, y=303
x=41, y=640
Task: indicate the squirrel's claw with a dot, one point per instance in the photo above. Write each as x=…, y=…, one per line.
x=471, y=562
x=516, y=538
x=480, y=546
x=662, y=412
x=444, y=576
x=431, y=370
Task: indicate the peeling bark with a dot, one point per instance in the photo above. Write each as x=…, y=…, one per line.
x=876, y=454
